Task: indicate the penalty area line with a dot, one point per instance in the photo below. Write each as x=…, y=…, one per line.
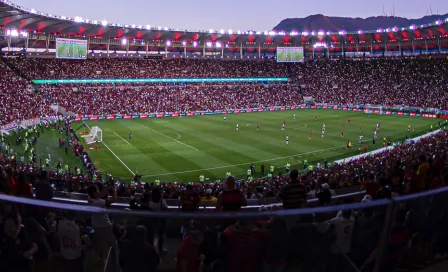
x=130, y=171
x=122, y=138
x=176, y=140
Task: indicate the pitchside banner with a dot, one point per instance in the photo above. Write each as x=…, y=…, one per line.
x=369, y=110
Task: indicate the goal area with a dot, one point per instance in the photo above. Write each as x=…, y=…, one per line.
x=95, y=135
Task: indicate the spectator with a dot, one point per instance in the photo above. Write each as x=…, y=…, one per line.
x=157, y=203
x=231, y=199
x=104, y=237
x=72, y=243
x=243, y=243
x=188, y=255
x=16, y=248
x=138, y=255
x=294, y=194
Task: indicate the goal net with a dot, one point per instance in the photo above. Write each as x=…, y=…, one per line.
x=95, y=135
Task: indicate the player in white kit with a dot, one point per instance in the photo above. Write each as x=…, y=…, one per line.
x=283, y=126
x=323, y=132
x=294, y=116
x=237, y=127
x=225, y=118
x=287, y=139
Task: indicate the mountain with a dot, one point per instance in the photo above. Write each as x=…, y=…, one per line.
x=328, y=23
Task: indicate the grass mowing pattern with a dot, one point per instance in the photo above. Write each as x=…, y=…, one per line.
x=181, y=149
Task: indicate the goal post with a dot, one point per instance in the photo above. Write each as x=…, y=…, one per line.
x=95, y=135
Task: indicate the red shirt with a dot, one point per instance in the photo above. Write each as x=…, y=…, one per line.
x=243, y=248
x=23, y=189
x=187, y=252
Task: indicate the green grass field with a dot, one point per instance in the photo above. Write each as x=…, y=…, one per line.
x=181, y=149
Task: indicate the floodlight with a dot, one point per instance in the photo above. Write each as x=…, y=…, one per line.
x=78, y=19
x=124, y=41
x=222, y=31
x=230, y=31
x=168, y=43
x=104, y=23
x=148, y=26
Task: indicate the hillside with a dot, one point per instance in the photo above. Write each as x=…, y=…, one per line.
x=328, y=23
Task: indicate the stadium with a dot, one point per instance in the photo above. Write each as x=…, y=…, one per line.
x=306, y=150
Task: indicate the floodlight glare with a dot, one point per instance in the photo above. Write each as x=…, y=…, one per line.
x=104, y=23
x=210, y=31
x=124, y=41
x=168, y=43
x=222, y=31
x=148, y=26
x=78, y=19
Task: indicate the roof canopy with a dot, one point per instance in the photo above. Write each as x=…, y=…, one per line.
x=15, y=17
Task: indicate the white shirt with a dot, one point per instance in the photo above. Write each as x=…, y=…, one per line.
x=70, y=240
x=344, y=231
x=100, y=220
x=156, y=206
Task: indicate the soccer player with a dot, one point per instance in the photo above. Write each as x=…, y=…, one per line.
x=360, y=128
x=315, y=117
x=258, y=127
x=384, y=142
x=287, y=139
x=294, y=116
x=409, y=127
x=225, y=118
x=237, y=127
x=374, y=134
x=324, y=126
x=311, y=134
x=348, y=120
x=360, y=139
x=342, y=133
x=130, y=136
x=283, y=126
x=323, y=132
x=378, y=126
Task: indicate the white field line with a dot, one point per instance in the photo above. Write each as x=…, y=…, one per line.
x=122, y=138
x=176, y=140
x=247, y=163
x=268, y=160
x=130, y=171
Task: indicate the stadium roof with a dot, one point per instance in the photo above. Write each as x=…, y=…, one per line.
x=20, y=20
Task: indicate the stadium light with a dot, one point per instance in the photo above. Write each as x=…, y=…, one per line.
x=412, y=27
x=209, y=44
x=168, y=43
x=251, y=32
x=124, y=41
x=95, y=22
x=195, y=43
x=359, y=31
x=222, y=31
x=320, y=33
x=230, y=31
x=305, y=33
x=23, y=33
x=12, y=33
x=313, y=33
x=238, y=32
x=33, y=11
x=148, y=26
x=272, y=33
x=139, y=26
x=165, y=28
x=78, y=19
x=210, y=31
x=266, y=33
x=218, y=44
x=133, y=26
x=104, y=23
x=184, y=43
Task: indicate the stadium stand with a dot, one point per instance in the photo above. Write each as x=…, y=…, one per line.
x=393, y=217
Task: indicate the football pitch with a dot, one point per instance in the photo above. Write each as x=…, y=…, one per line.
x=181, y=149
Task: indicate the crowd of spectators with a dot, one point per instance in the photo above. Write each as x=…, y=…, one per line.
x=17, y=102
x=37, y=237
x=318, y=242
x=404, y=82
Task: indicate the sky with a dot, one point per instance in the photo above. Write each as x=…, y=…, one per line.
x=259, y=15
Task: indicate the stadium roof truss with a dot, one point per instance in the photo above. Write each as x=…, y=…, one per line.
x=42, y=28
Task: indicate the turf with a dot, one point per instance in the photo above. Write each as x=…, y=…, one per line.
x=181, y=149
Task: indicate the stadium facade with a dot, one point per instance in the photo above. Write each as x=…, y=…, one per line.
x=24, y=30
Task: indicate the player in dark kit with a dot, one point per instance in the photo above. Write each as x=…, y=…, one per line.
x=130, y=136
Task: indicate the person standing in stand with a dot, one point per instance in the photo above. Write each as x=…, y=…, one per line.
x=231, y=199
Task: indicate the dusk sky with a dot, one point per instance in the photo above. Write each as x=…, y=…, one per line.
x=230, y=14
